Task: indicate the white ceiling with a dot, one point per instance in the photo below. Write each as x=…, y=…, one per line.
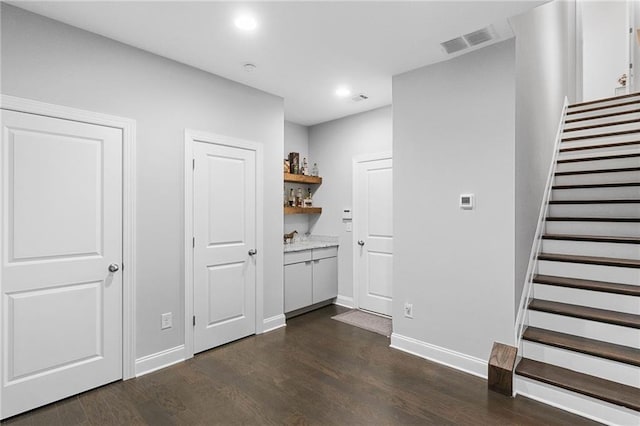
x=302, y=50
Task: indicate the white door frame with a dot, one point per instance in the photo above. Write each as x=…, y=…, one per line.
x=190, y=137
x=128, y=128
x=358, y=159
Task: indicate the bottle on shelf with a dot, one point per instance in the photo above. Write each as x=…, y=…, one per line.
x=305, y=167
x=299, y=198
x=314, y=170
x=292, y=198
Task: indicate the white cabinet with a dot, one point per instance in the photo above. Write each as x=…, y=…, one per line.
x=310, y=276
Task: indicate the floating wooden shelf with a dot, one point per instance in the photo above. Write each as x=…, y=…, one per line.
x=302, y=210
x=288, y=177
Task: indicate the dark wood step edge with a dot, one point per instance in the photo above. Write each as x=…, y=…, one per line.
x=590, y=260
x=583, y=312
x=601, y=135
x=591, y=285
x=598, y=158
x=593, y=219
x=601, y=116
x=592, y=238
x=600, y=146
x=598, y=348
x=597, y=101
x=616, y=201
x=598, y=171
x=602, y=107
x=598, y=126
x=595, y=387
x=596, y=185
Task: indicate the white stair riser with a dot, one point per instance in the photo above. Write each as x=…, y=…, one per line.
x=614, y=192
x=599, y=210
x=596, y=121
x=592, y=408
x=589, y=248
x=579, y=111
x=593, y=299
x=589, y=272
x=587, y=364
x=613, y=177
x=598, y=164
x=570, y=141
x=616, y=229
x=619, y=335
x=568, y=133
x=595, y=149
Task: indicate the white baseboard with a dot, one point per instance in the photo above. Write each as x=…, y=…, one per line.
x=459, y=361
x=273, y=323
x=581, y=405
x=345, y=301
x=162, y=359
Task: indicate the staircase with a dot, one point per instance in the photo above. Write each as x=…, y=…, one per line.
x=580, y=346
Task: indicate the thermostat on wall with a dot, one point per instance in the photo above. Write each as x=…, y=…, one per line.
x=466, y=201
x=347, y=214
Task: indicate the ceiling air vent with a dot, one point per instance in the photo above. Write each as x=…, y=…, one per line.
x=454, y=45
x=360, y=97
x=481, y=36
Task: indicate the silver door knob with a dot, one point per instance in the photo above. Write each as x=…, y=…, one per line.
x=114, y=267
x=360, y=243
x=253, y=252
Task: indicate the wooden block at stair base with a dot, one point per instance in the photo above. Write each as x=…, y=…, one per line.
x=501, y=365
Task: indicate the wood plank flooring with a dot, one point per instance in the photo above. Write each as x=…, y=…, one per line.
x=314, y=371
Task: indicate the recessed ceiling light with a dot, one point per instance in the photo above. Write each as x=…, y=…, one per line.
x=343, y=92
x=249, y=67
x=246, y=22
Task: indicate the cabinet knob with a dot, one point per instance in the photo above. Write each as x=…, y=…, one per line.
x=360, y=243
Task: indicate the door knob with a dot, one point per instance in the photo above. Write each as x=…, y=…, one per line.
x=360, y=243
x=114, y=267
x=252, y=252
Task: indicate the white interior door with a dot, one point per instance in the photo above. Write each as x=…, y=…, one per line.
x=224, y=276
x=61, y=230
x=373, y=223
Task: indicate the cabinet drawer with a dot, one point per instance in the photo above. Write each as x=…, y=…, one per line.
x=323, y=253
x=297, y=256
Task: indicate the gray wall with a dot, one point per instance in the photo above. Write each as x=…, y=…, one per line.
x=453, y=133
x=296, y=139
x=545, y=74
x=52, y=62
x=333, y=145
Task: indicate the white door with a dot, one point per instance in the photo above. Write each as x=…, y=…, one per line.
x=373, y=222
x=61, y=231
x=224, y=216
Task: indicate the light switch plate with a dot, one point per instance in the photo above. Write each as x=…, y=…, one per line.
x=348, y=226
x=167, y=321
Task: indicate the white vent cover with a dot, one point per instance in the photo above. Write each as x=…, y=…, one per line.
x=454, y=45
x=360, y=97
x=481, y=36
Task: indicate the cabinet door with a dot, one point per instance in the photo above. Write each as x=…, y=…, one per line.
x=297, y=286
x=325, y=279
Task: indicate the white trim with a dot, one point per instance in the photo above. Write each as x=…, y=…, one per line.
x=128, y=128
x=150, y=363
x=274, y=323
x=444, y=356
x=581, y=405
x=359, y=159
x=345, y=301
x=190, y=136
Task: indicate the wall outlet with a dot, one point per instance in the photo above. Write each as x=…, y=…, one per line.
x=408, y=310
x=167, y=321
x=348, y=226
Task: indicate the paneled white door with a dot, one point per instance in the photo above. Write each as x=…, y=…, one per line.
x=373, y=223
x=61, y=235
x=224, y=223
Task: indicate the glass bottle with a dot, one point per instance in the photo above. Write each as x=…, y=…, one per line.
x=305, y=167
x=299, y=198
x=292, y=198
x=314, y=170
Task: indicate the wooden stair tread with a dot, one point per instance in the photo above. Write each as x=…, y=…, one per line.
x=601, y=135
x=584, y=312
x=598, y=171
x=595, y=387
x=598, y=158
x=606, y=124
x=621, y=104
x=620, y=353
x=590, y=260
x=592, y=238
x=602, y=286
x=593, y=219
x=600, y=146
x=598, y=117
x=597, y=185
x=597, y=101
x=610, y=201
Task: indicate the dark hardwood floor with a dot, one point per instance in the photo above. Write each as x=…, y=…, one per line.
x=314, y=371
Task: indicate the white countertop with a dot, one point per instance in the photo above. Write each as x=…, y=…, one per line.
x=311, y=242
